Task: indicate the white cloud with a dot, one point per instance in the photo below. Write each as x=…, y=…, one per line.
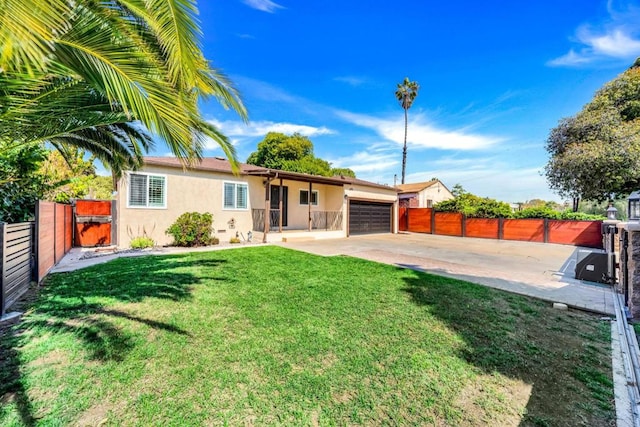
x=351, y=80
x=261, y=128
x=263, y=5
x=368, y=163
x=421, y=134
x=617, y=39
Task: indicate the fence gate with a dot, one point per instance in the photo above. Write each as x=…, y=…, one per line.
x=93, y=223
x=17, y=258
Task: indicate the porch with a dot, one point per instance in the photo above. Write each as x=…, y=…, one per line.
x=298, y=206
x=322, y=225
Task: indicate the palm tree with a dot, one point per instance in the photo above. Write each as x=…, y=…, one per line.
x=406, y=94
x=68, y=66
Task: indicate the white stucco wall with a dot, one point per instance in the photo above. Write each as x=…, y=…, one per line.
x=436, y=193
x=186, y=191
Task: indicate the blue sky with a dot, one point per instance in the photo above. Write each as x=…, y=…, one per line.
x=494, y=78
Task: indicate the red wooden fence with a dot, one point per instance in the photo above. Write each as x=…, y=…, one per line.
x=578, y=233
x=54, y=234
x=448, y=223
x=486, y=228
x=528, y=230
x=419, y=220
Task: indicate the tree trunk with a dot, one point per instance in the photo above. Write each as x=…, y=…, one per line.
x=576, y=203
x=404, y=149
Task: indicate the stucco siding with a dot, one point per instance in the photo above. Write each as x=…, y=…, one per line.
x=203, y=191
x=186, y=191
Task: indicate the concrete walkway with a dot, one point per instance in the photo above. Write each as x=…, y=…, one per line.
x=539, y=270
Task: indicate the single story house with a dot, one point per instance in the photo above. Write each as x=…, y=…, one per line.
x=273, y=205
x=422, y=194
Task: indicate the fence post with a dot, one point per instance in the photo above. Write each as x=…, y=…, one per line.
x=500, y=228
x=433, y=221
x=463, y=225
x=546, y=230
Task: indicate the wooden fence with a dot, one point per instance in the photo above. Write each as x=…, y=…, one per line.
x=54, y=231
x=567, y=232
x=17, y=261
x=30, y=249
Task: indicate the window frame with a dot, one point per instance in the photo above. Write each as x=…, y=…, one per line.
x=235, y=195
x=146, y=205
x=316, y=192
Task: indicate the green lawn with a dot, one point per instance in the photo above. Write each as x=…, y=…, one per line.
x=266, y=335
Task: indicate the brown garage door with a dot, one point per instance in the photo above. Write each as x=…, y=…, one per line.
x=369, y=217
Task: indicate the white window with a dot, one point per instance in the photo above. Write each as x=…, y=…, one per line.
x=304, y=197
x=236, y=195
x=147, y=191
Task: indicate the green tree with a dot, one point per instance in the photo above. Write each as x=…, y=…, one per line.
x=72, y=176
x=343, y=172
x=458, y=190
x=406, y=93
x=20, y=183
x=597, y=152
x=68, y=66
x=292, y=153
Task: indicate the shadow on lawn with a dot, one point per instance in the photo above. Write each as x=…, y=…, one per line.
x=525, y=339
x=77, y=304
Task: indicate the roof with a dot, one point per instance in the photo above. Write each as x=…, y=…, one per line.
x=213, y=164
x=219, y=164
x=415, y=187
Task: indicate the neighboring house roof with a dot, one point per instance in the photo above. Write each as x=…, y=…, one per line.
x=219, y=164
x=416, y=187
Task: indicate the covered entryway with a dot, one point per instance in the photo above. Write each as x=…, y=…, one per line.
x=367, y=217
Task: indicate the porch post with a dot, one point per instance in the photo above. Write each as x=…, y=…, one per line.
x=280, y=205
x=310, y=189
x=267, y=209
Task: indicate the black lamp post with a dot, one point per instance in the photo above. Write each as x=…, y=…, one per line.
x=612, y=212
x=634, y=206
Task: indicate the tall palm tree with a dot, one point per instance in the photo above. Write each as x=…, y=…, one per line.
x=138, y=59
x=406, y=93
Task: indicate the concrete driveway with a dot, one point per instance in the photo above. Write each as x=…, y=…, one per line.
x=540, y=270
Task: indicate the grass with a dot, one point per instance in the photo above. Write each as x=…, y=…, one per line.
x=267, y=335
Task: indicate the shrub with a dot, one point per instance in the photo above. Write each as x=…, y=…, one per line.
x=581, y=216
x=234, y=240
x=192, y=229
x=142, y=242
x=537, y=212
x=475, y=207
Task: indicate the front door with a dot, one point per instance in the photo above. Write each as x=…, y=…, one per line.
x=275, y=205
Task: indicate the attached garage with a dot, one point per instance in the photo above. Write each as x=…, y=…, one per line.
x=367, y=217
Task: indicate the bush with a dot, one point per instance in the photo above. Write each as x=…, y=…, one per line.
x=234, y=240
x=192, y=229
x=581, y=216
x=475, y=207
x=537, y=212
x=142, y=242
